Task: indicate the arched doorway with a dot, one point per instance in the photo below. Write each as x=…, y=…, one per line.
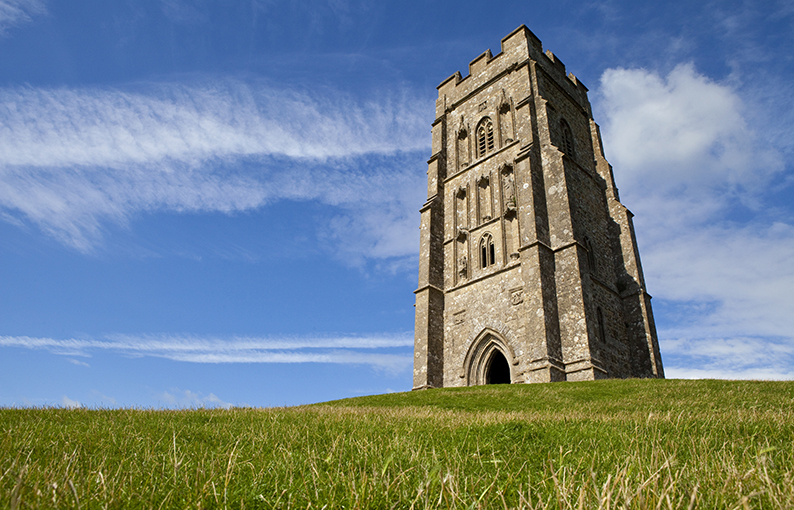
x=488, y=360
x=498, y=370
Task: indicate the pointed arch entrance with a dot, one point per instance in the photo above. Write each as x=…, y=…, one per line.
x=498, y=369
x=488, y=360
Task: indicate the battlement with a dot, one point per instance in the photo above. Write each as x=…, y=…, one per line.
x=479, y=64
x=555, y=61
x=518, y=46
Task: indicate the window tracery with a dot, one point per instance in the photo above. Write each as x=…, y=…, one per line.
x=567, y=139
x=485, y=137
x=487, y=251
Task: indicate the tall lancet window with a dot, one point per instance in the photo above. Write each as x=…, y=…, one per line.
x=487, y=251
x=485, y=139
x=567, y=139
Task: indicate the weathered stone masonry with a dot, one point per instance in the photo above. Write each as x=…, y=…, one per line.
x=529, y=269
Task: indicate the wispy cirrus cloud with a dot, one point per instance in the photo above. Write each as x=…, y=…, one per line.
x=718, y=262
x=111, y=128
x=353, y=349
x=72, y=160
x=16, y=12
x=705, y=354
x=716, y=371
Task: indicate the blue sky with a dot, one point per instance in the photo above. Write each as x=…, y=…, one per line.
x=207, y=203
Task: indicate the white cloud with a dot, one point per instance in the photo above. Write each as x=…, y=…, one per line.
x=679, y=132
x=758, y=374
x=69, y=403
x=109, y=128
x=16, y=12
x=77, y=362
x=71, y=160
x=381, y=220
x=237, y=344
x=729, y=358
x=186, y=398
x=718, y=262
x=746, y=271
x=363, y=350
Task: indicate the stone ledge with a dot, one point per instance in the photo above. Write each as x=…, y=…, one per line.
x=486, y=158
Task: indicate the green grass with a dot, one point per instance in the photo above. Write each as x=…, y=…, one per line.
x=607, y=444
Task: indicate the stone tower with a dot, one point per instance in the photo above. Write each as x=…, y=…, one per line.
x=528, y=267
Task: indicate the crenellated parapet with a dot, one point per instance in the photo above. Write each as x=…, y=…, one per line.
x=517, y=49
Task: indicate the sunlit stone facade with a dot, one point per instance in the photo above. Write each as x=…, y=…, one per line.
x=529, y=269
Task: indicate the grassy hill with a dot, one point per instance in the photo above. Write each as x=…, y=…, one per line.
x=608, y=444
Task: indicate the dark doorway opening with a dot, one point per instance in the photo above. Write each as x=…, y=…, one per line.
x=498, y=369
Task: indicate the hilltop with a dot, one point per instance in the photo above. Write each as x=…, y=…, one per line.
x=613, y=444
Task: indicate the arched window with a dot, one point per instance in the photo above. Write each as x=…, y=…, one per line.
x=567, y=139
x=485, y=139
x=487, y=251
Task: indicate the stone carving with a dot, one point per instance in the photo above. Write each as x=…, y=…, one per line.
x=463, y=267
x=516, y=297
x=504, y=103
x=462, y=142
x=509, y=190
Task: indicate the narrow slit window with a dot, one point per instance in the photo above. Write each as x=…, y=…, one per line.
x=591, y=262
